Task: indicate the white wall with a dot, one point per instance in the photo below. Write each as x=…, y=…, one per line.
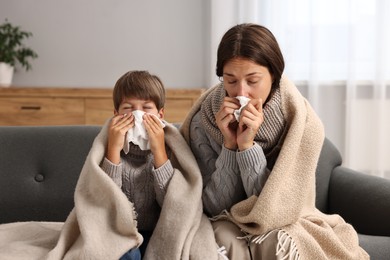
x=369, y=140
x=90, y=43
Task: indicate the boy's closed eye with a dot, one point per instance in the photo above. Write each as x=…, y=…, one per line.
x=147, y=108
x=127, y=109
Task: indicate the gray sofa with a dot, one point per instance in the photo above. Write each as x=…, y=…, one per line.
x=40, y=165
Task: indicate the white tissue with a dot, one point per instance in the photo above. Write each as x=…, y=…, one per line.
x=243, y=101
x=138, y=135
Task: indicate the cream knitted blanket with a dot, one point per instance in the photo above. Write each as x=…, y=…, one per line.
x=287, y=201
x=102, y=224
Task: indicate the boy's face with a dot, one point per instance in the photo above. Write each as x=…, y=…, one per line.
x=128, y=105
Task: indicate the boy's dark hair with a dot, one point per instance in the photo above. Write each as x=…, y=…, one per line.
x=139, y=84
x=253, y=42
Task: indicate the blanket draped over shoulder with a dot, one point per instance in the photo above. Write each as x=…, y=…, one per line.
x=102, y=224
x=287, y=201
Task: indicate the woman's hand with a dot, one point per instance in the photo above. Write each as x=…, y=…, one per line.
x=227, y=123
x=251, y=119
x=156, y=138
x=117, y=130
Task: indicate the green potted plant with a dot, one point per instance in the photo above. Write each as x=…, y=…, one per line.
x=13, y=51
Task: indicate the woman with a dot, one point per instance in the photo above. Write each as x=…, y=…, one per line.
x=257, y=142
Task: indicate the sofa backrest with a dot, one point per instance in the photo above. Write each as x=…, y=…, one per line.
x=329, y=159
x=39, y=169
x=40, y=166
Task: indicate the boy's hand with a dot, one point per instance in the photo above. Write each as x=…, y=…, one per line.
x=156, y=138
x=117, y=130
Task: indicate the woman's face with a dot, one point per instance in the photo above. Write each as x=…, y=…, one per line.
x=243, y=77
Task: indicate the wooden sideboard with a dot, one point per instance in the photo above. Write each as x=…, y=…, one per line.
x=78, y=106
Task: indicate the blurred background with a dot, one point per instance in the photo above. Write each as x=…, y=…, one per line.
x=336, y=51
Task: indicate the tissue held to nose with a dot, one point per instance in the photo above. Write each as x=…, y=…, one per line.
x=243, y=101
x=138, y=135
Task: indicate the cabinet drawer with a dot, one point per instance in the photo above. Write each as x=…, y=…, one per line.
x=98, y=110
x=41, y=111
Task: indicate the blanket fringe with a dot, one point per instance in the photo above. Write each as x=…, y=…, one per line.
x=134, y=214
x=285, y=242
x=224, y=215
x=222, y=252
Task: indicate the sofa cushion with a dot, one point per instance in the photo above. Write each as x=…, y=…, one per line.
x=376, y=246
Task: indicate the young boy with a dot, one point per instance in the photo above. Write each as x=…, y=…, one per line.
x=143, y=173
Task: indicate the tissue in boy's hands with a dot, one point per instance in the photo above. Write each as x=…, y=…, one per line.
x=138, y=135
x=243, y=101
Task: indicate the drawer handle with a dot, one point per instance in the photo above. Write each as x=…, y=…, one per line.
x=30, y=107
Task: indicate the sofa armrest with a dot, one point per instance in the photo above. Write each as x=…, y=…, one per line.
x=362, y=200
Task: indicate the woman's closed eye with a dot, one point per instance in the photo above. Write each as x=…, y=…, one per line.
x=248, y=81
x=253, y=80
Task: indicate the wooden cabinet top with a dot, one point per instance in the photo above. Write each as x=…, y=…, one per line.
x=87, y=92
x=61, y=106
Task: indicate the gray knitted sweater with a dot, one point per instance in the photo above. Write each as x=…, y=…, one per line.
x=144, y=185
x=228, y=176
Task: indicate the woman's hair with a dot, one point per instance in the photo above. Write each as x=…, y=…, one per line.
x=139, y=84
x=253, y=42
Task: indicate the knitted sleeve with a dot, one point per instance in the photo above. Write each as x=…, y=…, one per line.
x=222, y=186
x=113, y=170
x=162, y=177
x=228, y=176
x=253, y=168
x=225, y=187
